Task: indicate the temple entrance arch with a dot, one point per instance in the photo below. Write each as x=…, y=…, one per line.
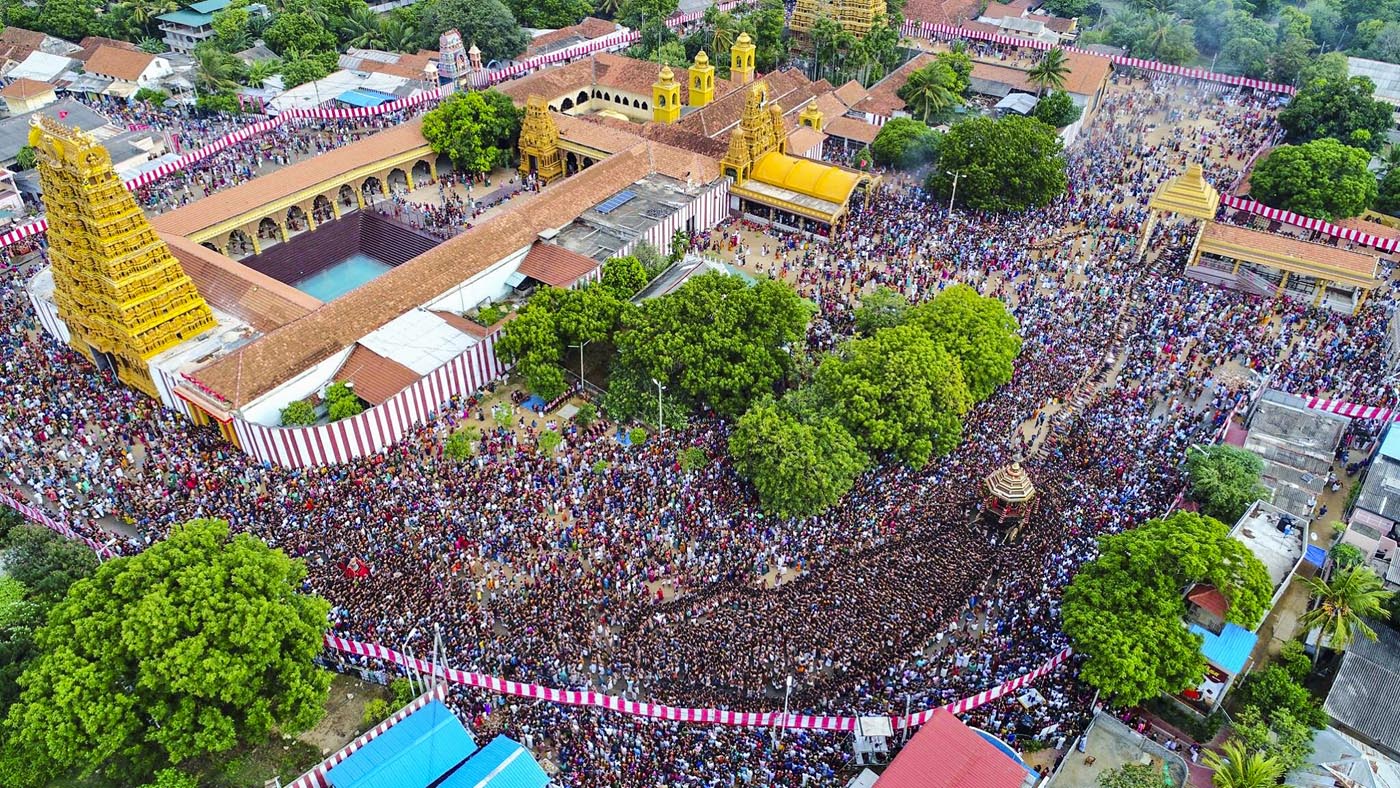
x=422, y=172
x=269, y=230
x=398, y=180
x=346, y=197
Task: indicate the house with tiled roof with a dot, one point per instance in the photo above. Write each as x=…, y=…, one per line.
x=27, y=95
x=129, y=69
x=590, y=29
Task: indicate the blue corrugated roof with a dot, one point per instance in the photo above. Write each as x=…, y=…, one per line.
x=1390, y=447
x=413, y=753
x=501, y=764
x=1315, y=555
x=1229, y=650
x=362, y=98
x=187, y=18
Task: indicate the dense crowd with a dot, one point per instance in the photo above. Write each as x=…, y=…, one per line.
x=608, y=566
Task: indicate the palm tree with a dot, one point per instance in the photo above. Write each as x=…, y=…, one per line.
x=144, y=12
x=1050, y=72
x=361, y=28
x=1238, y=768
x=151, y=45
x=607, y=8
x=722, y=32
x=1343, y=604
x=216, y=71
x=261, y=70
x=397, y=35
x=929, y=90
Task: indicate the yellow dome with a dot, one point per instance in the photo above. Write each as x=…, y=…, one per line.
x=805, y=176
x=667, y=75
x=701, y=58
x=744, y=39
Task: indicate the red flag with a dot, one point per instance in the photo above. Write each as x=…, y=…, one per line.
x=63, y=113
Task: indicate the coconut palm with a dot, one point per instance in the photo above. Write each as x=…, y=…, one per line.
x=397, y=35
x=607, y=8
x=929, y=90
x=151, y=45
x=1343, y=604
x=144, y=12
x=216, y=71
x=261, y=70
x=723, y=31
x=361, y=28
x=1238, y=768
x=1050, y=72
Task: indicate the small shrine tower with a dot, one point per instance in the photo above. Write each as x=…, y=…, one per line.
x=741, y=69
x=666, y=97
x=452, y=56
x=702, y=80
x=539, y=142
x=1010, y=498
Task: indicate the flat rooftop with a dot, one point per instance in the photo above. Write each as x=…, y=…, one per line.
x=1297, y=444
x=625, y=216
x=1380, y=494
x=1113, y=745
x=1262, y=531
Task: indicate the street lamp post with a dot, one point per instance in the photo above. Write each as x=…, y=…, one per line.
x=954, y=195
x=408, y=660
x=786, y=697
x=660, y=428
x=581, y=344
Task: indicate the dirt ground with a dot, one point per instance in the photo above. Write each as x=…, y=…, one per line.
x=345, y=710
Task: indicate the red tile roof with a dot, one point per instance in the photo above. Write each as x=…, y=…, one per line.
x=24, y=88
x=947, y=754
x=253, y=297
x=852, y=129
x=16, y=43
x=883, y=98
x=375, y=377
x=124, y=64
x=555, y=265
x=944, y=12
x=91, y=44
x=1208, y=597
x=851, y=93
x=589, y=29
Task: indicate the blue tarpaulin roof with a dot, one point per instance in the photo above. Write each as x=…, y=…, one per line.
x=1229, y=650
x=413, y=753
x=363, y=97
x=1315, y=555
x=1390, y=447
x=501, y=764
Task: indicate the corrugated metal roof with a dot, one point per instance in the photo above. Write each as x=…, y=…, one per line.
x=947, y=754
x=1367, y=690
x=413, y=753
x=501, y=764
x=1229, y=650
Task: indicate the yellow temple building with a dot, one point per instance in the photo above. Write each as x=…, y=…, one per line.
x=854, y=16
x=118, y=288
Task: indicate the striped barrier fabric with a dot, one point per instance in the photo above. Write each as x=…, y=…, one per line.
x=1353, y=410
x=317, y=776
x=1309, y=223
x=760, y=719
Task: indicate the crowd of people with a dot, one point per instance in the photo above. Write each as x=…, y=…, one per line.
x=610, y=567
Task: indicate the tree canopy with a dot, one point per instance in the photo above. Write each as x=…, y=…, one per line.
x=934, y=89
x=978, y=330
x=1323, y=179
x=1009, y=164
x=477, y=129
x=199, y=643
x=550, y=14
x=1335, y=105
x=883, y=308
x=1124, y=609
x=488, y=23
x=551, y=321
x=1225, y=480
x=1057, y=109
x=904, y=143
x=798, y=468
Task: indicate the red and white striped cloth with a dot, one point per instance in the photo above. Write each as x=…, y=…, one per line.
x=929, y=30
x=1307, y=222
x=621, y=705
x=1353, y=410
x=40, y=517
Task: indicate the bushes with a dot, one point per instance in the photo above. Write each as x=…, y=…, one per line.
x=587, y=414
x=490, y=315
x=548, y=441
x=299, y=414
x=461, y=444
x=342, y=402
x=637, y=436
x=1200, y=730
x=1225, y=481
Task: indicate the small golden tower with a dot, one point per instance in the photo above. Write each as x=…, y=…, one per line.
x=666, y=97
x=760, y=132
x=741, y=60
x=811, y=117
x=122, y=294
x=736, y=162
x=539, y=142
x=702, y=80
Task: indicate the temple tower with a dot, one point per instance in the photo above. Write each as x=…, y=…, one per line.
x=760, y=131
x=702, y=80
x=741, y=67
x=811, y=117
x=452, y=57
x=474, y=57
x=854, y=16
x=666, y=97
x=122, y=294
x=539, y=142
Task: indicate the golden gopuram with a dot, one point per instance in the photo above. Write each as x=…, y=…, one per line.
x=854, y=16
x=117, y=287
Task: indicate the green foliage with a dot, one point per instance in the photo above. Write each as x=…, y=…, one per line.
x=232, y=32
x=550, y=13
x=46, y=563
x=1278, y=737
x=1388, y=200
x=504, y=415
x=680, y=243
x=883, y=308
x=461, y=444
x=798, y=468
x=898, y=392
x=1009, y=164
x=1199, y=729
x=979, y=331
x=477, y=129
x=1067, y=8
x=27, y=158
x=637, y=436
x=671, y=53
x=933, y=91
x=716, y=340
x=488, y=23
x=339, y=390
x=20, y=618
x=692, y=458
x=403, y=692
x=344, y=408
x=548, y=441
x=490, y=315
x=904, y=143
x=216, y=71
x=299, y=68
x=651, y=259
x=1239, y=766
x=1344, y=602
x=1124, y=609
x=1334, y=105
x=1293, y=658
x=297, y=32
x=152, y=96
x=375, y=712
x=600, y=467
x=1151, y=34
x=1247, y=56
x=68, y=19
x=1057, y=109
x=198, y=643
x=552, y=320
x=1049, y=71
x=224, y=103
x=1323, y=179
x=174, y=778
x=624, y=276
x=1132, y=776
x=1273, y=689
x=648, y=17
x=298, y=414
x=1225, y=480
x=1346, y=556
x=587, y=414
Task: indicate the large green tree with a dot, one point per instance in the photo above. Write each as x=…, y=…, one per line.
x=1009, y=164
x=883, y=308
x=799, y=468
x=550, y=14
x=1337, y=106
x=1225, y=480
x=717, y=340
x=1279, y=737
x=477, y=129
x=898, y=392
x=1388, y=194
x=978, y=330
x=1323, y=179
x=199, y=643
x=69, y=19
x=1123, y=611
x=933, y=90
x=46, y=563
x=298, y=32
x=904, y=143
x=1057, y=109
x=488, y=23
x=551, y=322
